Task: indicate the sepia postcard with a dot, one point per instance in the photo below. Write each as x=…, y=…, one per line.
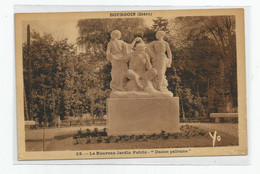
x=130, y=84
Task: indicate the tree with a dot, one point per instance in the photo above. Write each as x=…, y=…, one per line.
x=222, y=29
x=51, y=66
x=160, y=24
x=201, y=47
x=94, y=34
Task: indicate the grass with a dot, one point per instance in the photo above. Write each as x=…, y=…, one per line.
x=189, y=136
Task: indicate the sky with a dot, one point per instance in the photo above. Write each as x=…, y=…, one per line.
x=60, y=29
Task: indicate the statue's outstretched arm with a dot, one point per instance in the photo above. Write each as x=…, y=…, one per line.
x=134, y=41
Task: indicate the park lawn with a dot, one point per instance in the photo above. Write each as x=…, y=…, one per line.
x=37, y=146
x=200, y=141
x=228, y=138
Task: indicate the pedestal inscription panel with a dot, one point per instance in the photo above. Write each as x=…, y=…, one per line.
x=128, y=116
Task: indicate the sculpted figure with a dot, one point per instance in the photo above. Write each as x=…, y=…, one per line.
x=117, y=54
x=140, y=70
x=157, y=50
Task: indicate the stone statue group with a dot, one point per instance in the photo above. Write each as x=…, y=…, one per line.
x=142, y=69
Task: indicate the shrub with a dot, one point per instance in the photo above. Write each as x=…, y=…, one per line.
x=96, y=136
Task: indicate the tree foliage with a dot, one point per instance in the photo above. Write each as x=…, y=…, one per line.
x=68, y=82
x=205, y=58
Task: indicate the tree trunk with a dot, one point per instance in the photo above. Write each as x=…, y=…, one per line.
x=26, y=117
x=29, y=71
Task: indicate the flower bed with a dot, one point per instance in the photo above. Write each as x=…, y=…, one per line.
x=100, y=136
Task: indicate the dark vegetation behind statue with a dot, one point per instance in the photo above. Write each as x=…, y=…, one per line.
x=68, y=82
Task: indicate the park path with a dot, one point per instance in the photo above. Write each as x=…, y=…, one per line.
x=34, y=138
x=228, y=132
x=55, y=136
x=228, y=128
x=50, y=133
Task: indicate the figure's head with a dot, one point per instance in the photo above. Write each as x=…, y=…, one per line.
x=115, y=34
x=140, y=47
x=160, y=34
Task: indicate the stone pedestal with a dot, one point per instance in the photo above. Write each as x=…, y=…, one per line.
x=127, y=116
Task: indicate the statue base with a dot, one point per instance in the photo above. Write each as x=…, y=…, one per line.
x=140, y=94
x=127, y=116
